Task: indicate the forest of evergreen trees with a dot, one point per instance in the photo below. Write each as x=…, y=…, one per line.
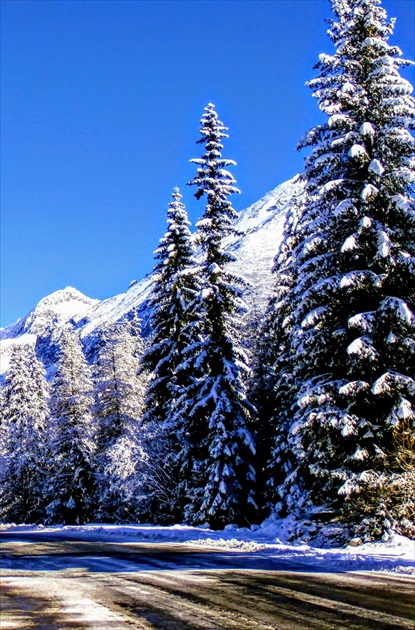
x=211, y=419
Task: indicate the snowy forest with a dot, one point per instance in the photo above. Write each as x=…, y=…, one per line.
x=224, y=416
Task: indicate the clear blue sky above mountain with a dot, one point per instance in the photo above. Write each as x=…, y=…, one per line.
x=100, y=114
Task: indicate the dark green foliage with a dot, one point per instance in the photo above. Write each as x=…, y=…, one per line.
x=344, y=308
x=175, y=285
x=213, y=411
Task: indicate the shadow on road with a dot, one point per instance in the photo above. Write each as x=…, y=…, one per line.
x=45, y=551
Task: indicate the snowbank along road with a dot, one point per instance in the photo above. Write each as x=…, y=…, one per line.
x=52, y=583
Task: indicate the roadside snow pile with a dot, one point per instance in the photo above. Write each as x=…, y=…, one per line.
x=395, y=549
x=268, y=541
x=232, y=544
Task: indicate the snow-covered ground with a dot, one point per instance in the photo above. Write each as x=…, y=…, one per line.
x=397, y=555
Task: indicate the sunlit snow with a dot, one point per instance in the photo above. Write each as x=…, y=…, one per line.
x=270, y=539
x=376, y=167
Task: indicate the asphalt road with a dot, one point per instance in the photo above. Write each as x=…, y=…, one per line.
x=56, y=584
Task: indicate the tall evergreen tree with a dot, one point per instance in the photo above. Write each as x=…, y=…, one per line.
x=118, y=409
x=72, y=486
x=273, y=383
x=213, y=408
x=344, y=309
x=174, y=287
x=175, y=284
x=24, y=450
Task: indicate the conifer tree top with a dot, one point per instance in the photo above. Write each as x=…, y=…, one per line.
x=176, y=194
x=175, y=248
x=212, y=178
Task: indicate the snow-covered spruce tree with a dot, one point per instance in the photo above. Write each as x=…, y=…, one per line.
x=118, y=408
x=214, y=411
x=175, y=285
x=347, y=309
x=72, y=486
x=273, y=384
x=24, y=450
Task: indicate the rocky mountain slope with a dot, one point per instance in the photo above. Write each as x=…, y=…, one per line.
x=259, y=232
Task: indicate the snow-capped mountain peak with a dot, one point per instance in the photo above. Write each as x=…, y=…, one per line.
x=259, y=230
x=53, y=310
x=66, y=302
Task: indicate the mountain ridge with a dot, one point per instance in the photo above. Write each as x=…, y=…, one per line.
x=258, y=235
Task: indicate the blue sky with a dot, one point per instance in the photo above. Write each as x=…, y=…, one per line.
x=100, y=115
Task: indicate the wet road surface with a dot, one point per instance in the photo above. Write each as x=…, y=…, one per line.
x=51, y=583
